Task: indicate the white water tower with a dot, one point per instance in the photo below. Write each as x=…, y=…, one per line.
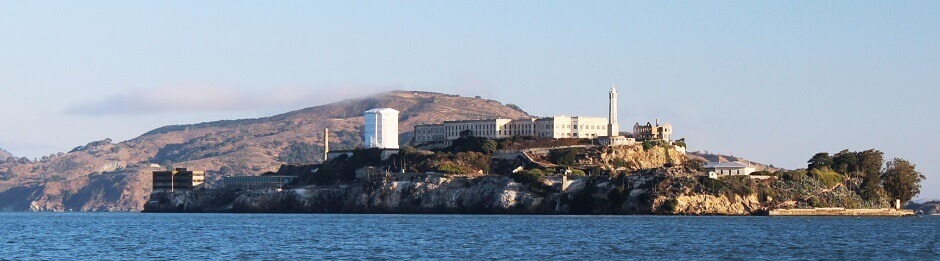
x=381, y=129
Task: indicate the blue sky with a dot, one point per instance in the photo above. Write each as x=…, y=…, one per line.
x=773, y=82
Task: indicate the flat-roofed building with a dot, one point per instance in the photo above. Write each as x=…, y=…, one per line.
x=179, y=179
x=257, y=182
x=717, y=169
x=556, y=127
x=550, y=127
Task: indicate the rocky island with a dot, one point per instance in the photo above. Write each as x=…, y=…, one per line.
x=574, y=179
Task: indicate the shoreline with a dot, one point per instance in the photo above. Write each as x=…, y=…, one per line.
x=857, y=212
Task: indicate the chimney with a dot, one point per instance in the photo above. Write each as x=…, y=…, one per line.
x=326, y=144
x=657, y=122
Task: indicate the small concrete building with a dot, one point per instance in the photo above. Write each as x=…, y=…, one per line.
x=179, y=179
x=717, y=169
x=381, y=128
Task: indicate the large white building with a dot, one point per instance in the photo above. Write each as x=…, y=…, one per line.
x=381, y=129
x=556, y=127
x=551, y=127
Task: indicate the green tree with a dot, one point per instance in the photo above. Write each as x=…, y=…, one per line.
x=681, y=143
x=845, y=162
x=869, y=166
x=819, y=161
x=902, y=180
x=870, y=162
x=489, y=146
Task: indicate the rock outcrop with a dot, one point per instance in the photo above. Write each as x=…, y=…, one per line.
x=485, y=195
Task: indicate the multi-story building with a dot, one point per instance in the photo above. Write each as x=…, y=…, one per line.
x=556, y=127
x=381, y=129
x=651, y=132
x=179, y=179
x=551, y=127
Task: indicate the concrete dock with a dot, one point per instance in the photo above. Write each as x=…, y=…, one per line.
x=877, y=212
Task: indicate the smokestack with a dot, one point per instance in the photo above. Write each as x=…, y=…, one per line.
x=326, y=144
x=657, y=122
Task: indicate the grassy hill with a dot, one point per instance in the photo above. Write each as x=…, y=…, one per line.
x=107, y=176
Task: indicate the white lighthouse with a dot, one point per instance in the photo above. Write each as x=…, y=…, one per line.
x=613, y=129
x=381, y=129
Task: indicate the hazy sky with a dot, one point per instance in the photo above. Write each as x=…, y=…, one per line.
x=772, y=82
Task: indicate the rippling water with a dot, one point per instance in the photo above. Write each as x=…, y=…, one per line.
x=276, y=236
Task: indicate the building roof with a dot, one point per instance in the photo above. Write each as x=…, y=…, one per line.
x=726, y=165
x=382, y=110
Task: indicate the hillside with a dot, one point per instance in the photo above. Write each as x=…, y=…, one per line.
x=5, y=154
x=108, y=176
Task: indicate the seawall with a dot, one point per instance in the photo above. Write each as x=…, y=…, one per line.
x=879, y=212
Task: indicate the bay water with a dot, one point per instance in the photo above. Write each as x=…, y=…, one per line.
x=127, y=236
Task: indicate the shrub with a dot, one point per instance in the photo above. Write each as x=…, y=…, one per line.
x=565, y=157
x=453, y=168
x=528, y=176
x=620, y=163
x=731, y=185
x=762, y=173
x=828, y=177
x=767, y=194
x=577, y=173
x=476, y=160
x=814, y=202
x=792, y=175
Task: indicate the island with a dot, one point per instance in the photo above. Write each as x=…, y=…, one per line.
x=548, y=165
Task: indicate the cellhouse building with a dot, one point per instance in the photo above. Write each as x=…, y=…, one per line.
x=381, y=129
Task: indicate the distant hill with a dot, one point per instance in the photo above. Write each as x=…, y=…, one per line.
x=107, y=176
x=4, y=154
x=709, y=157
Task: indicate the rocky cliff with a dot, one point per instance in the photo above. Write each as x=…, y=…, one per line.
x=428, y=195
x=106, y=175
x=630, y=180
x=480, y=195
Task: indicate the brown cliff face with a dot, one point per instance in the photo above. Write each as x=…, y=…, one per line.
x=107, y=176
